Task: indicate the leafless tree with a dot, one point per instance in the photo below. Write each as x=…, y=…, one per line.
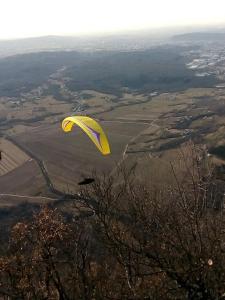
x=135, y=243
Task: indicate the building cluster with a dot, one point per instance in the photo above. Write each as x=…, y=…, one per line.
x=208, y=61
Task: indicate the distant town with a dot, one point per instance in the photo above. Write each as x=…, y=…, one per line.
x=208, y=60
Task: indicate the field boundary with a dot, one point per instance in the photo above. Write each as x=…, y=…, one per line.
x=42, y=167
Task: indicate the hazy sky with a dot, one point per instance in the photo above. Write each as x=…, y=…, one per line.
x=22, y=18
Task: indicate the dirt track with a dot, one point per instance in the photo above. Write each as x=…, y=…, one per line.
x=41, y=166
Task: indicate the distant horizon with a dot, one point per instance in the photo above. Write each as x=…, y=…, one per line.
x=25, y=18
x=174, y=29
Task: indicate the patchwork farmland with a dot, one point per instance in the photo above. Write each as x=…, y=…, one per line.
x=11, y=157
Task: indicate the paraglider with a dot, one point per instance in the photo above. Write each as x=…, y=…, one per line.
x=86, y=181
x=91, y=128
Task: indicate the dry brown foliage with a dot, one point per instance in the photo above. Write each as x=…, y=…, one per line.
x=138, y=243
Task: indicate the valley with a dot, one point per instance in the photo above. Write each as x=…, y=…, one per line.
x=145, y=126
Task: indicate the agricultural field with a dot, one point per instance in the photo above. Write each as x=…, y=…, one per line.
x=173, y=119
x=11, y=157
x=146, y=128
x=35, y=127
x=144, y=131
x=19, y=175
x=24, y=180
x=71, y=157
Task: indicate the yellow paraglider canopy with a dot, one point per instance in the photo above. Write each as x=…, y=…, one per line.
x=91, y=128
